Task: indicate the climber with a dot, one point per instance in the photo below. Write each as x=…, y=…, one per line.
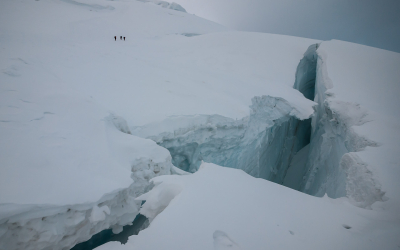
x=120, y=37
x=115, y=37
x=124, y=38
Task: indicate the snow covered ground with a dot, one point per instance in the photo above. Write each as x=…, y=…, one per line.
x=255, y=214
x=76, y=108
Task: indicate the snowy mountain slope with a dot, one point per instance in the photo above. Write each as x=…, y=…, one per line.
x=66, y=153
x=65, y=165
x=71, y=98
x=354, y=147
x=254, y=213
x=131, y=79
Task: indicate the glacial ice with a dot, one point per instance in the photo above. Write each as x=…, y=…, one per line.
x=60, y=227
x=330, y=167
x=275, y=143
x=58, y=90
x=252, y=213
x=262, y=144
x=99, y=213
x=158, y=198
x=323, y=174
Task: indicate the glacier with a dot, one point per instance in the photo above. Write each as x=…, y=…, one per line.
x=92, y=127
x=45, y=226
x=348, y=154
x=264, y=144
x=253, y=213
x=261, y=144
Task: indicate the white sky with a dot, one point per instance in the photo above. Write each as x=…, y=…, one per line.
x=371, y=22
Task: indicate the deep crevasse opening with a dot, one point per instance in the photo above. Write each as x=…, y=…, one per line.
x=272, y=143
x=252, y=144
x=263, y=144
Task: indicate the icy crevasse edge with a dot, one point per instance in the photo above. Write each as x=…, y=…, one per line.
x=60, y=227
x=271, y=129
x=333, y=167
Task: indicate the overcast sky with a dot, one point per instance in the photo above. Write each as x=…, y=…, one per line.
x=371, y=22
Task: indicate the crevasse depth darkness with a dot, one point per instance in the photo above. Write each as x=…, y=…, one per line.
x=263, y=144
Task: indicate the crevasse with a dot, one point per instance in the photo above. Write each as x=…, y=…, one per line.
x=311, y=155
x=330, y=166
x=261, y=144
x=62, y=227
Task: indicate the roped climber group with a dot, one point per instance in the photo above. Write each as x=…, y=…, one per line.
x=120, y=38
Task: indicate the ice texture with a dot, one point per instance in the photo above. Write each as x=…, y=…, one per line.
x=252, y=213
x=71, y=97
x=55, y=227
x=69, y=91
x=262, y=144
x=350, y=125
x=158, y=198
x=331, y=167
x=306, y=73
x=99, y=213
x=58, y=227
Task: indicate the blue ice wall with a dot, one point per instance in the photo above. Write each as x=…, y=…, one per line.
x=283, y=142
x=262, y=144
x=323, y=173
x=306, y=73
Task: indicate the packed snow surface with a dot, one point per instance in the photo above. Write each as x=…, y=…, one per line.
x=223, y=208
x=61, y=77
x=353, y=154
x=76, y=106
x=69, y=94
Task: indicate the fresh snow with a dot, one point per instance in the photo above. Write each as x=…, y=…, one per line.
x=62, y=78
x=365, y=85
x=254, y=214
x=76, y=108
x=356, y=125
x=99, y=213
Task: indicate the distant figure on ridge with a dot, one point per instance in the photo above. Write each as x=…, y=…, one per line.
x=124, y=38
x=120, y=37
x=115, y=37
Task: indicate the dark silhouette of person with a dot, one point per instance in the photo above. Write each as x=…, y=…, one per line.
x=124, y=38
x=115, y=37
x=120, y=37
